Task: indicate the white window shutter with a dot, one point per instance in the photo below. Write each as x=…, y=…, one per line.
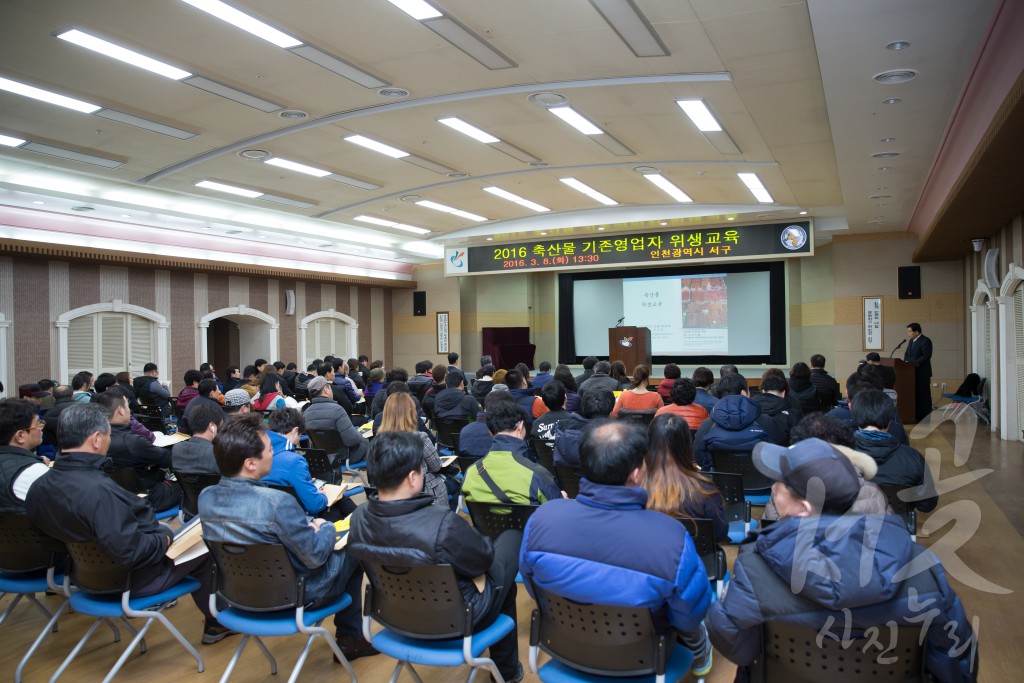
x=141, y=344
x=81, y=346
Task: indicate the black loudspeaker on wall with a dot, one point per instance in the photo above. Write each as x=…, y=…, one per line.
x=419, y=303
x=909, y=282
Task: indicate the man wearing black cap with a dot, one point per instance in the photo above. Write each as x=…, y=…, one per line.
x=827, y=570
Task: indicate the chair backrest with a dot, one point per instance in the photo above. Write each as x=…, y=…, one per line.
x=702, y=531
x=257, y=578
x=329, y=441
x=149, y=420
x=792, y=653
x=465, y=462
x=903, y=508
x=545, y=454
x=127, y=478
x=598, y=639
x=731, y=487
x=94, y=571
x=742, y=464
x=191, y=486
x=641, y=417
x=318, y=462
x=568, y=479
x=490, y=519
x=23, y=548
x=448, y=432
x=290, y=490
x=421, y=601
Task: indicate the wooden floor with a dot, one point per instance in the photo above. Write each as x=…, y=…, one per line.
x=984, y=566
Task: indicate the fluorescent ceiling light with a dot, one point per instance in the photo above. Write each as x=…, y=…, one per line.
x=470, y=130
x=377, y=146
x=295, y=166
x=670, y=189
x=629, y=22
x=230, y=189
x=700, y=115
x=753, y=183
x=8, y=141
x=227, y=13
x=469, y=42
x=504, y=194
x=393, y=224
x=104, y=47
x=589, y=191
x=145, y=124
x=47, y=96
x=417, y=9
x=576, y=120
x=455, y=212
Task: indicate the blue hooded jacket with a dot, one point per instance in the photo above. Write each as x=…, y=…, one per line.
x=860, y=570
x=736, y=424
x=604, y=547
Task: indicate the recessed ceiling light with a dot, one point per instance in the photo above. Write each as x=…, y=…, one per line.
x=731, y=218
x=227, y=13
x=47, y=96
x=297, y=167
x=885, y=168
x=392, y=93
x=490, y=239
x=448, y=209
x=468, y=129
x=325, y=245
x=644, y=170
x=892, y=100
x=123, y=54
x=664, y=223
x=600, y=229
x=39, y=202
x=876, y=222
x=292, y=114
x=700, y=115
x=417, y=9
x=543, y=233
x=410, y=198
x=756, y=188
x=589, y=191
x=803, y=213
x=234, y=232
x=392, y=224
x=380, y=147
x=888, y=140
x=880, y=196
x=894, y=76
x=548, y=99
x=230, y=189
x=576, y=120
x=668, y=187
x=254, y=154
x=504, y=194
x=8, y=141
x=898, y=45
x=885, y=155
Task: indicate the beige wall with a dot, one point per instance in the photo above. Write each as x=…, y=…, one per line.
x=414, y=338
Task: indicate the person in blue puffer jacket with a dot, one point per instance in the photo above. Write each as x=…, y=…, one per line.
x=604, y=547
x=836, y=572
x=736, y=423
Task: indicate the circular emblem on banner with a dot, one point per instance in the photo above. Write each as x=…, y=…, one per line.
x=794, y=237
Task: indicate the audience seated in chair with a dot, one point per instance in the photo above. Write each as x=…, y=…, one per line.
x=324, y=413
x=401, y=525
x=77, y=503
x=594, y=405
x=736, y=423
x=128, y=450
x=554, y=398
x=775, y=401
x=476, y=439
x=775, y=577
x=683, y=404
x=637, y=398
x=599, y=379
x=523, y=395
x=453, y=403
x=151, y=391
x=208, y=396
x=21, y=432
x=674, y=485
x=241, y=510
x=703, y=378
x=400, y=416
x=507, y=474
x=671, y=373
x=862, y=381
x=189, y=391
x=195, y=456
x=604, y=547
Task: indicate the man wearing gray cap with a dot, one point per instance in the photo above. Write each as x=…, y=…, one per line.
x=324, y=413
x=832, y=571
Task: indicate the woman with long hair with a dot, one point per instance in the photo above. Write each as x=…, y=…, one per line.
x=618, y=373
x=674, y=484
x=638, y=398
x=400, y=416
x=270, y=397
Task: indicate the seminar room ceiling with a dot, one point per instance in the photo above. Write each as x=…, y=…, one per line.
x=792, y=85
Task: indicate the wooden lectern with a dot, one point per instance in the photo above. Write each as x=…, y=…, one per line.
x=638, y=351
x=905, y=387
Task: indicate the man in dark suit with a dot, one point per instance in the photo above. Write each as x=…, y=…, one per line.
x=919, y=351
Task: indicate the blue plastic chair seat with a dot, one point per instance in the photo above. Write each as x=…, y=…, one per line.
x=353, y=492
x=956, y=398
x=28, y=582
x=361, y=465
x=441, y=652
x=109, y=605
x=736, y=531
x=167, y=514
x=758, y=496
x=280, y=623
x=678, y=665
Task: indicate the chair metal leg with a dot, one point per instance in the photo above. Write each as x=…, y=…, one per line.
x=127, y=652
x=134, y=632
x=266, y=652
x=74, y=653
x=159, y=616
x=238, y=654
x=113, y=627
x=415, y=675
x=10, y=608
x=337, y=650
x=301, y=660
x=51, y=625
x=396, y=672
